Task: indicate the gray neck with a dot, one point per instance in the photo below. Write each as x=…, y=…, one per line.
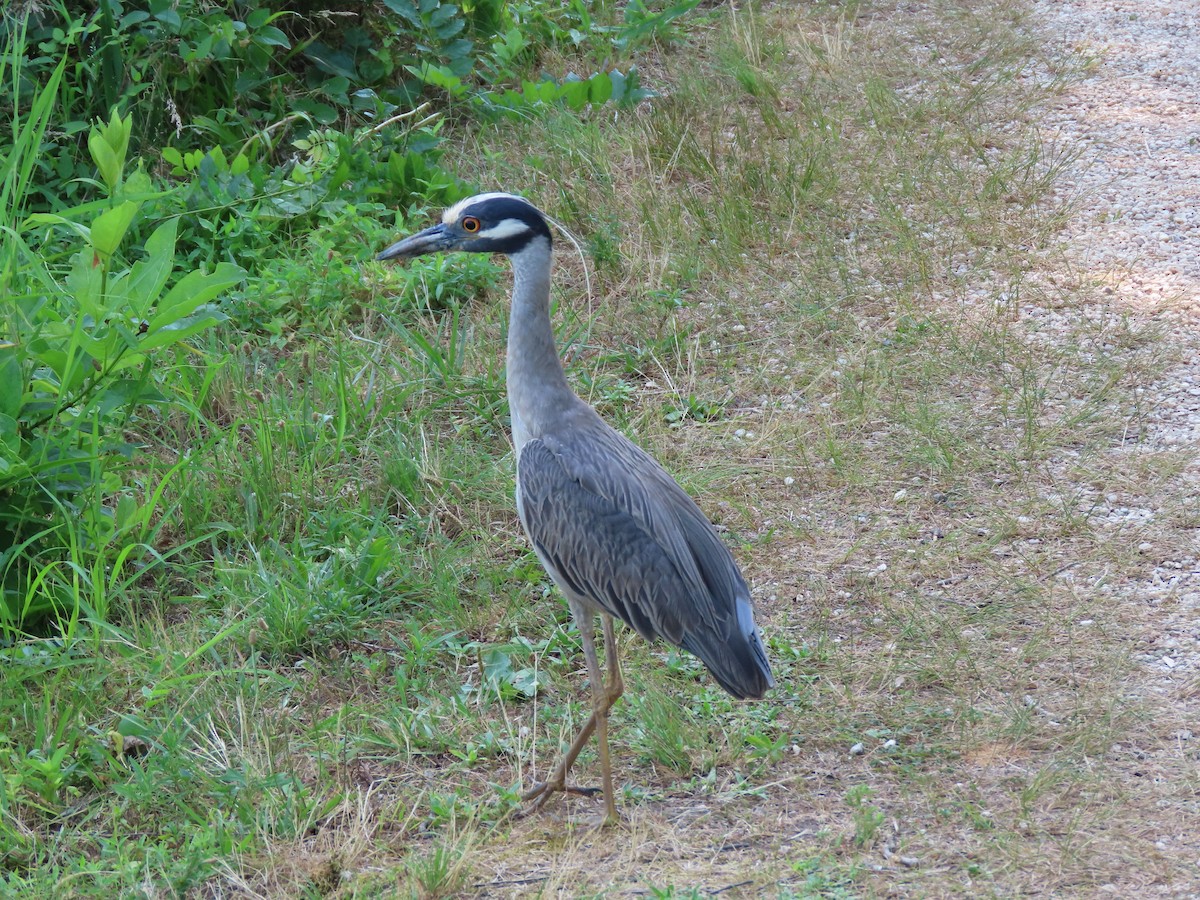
x=538, y=393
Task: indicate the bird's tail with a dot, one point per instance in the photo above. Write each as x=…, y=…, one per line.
x=739, y=662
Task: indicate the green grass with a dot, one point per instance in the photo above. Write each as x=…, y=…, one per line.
x=342, y=660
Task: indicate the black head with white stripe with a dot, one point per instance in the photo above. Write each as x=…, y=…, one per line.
x=485, y=223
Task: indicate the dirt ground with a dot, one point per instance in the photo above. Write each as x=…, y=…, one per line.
x=1136, y=233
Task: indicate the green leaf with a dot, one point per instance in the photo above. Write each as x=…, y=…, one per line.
x=271, y=36
x=103, y=348
x=124, y=393
x=110, y=227
x=617, y=80
x=127, y=509
x=575, y=93
x=404, y=9
x=84, y=281
x=182, y=329
x=600, y=89
x=174, y=158
x=10, y=436
x=150, y=275
x=138, y=183
x=12, y=382
x=446, y=15
x=510, y=46
x=105, y=160
x=108, y=145
x=190, y=293
x=496, y=665
x=322, y=112
x=526, y=682
x=439, y=76
x=53, y=219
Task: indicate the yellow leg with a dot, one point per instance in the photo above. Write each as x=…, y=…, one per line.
x=616, y=685
x=557, y=781
x=603, y=697
x=602, y=700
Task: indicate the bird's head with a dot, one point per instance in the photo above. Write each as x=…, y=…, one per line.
x=485, y=223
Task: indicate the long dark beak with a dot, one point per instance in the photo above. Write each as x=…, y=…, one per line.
x=431, y=240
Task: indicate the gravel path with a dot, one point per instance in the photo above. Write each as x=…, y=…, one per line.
x=1137, y=119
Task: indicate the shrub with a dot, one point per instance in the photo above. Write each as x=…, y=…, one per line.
x=86, y=347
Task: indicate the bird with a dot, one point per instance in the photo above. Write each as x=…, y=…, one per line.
x=614, y=531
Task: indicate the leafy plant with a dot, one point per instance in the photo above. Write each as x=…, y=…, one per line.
x=503, y=677
x=439, y=31
x=84, y=352
x=696, y=408
x=642, y=25
x=573, y=92
x=174, y=62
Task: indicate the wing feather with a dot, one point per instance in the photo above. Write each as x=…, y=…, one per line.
x=614, y=529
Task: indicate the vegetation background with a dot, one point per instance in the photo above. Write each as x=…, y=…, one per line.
x=268, y=624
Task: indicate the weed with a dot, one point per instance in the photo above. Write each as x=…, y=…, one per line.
x=823, y=880
x=866, y=816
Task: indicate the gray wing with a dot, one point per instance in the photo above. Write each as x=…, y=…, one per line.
x=617, y=531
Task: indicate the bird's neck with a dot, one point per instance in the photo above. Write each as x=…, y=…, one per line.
x=537, y=388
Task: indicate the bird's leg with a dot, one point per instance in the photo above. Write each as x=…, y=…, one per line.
x=616, y=685
x=613, y=688
x=602, y=700
x=541, y=791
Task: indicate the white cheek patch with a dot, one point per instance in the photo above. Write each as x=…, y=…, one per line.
x=504, y=229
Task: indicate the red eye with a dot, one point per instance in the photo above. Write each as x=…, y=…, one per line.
x=470, y=224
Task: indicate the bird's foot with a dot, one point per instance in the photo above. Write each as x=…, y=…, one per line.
x=541, y=792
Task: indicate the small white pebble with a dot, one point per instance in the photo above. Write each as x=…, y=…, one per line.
x=789, y=480
x=889, y=744
x=900, y=495
x=858, y=750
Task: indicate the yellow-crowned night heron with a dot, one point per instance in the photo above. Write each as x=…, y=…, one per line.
x=613, y=529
